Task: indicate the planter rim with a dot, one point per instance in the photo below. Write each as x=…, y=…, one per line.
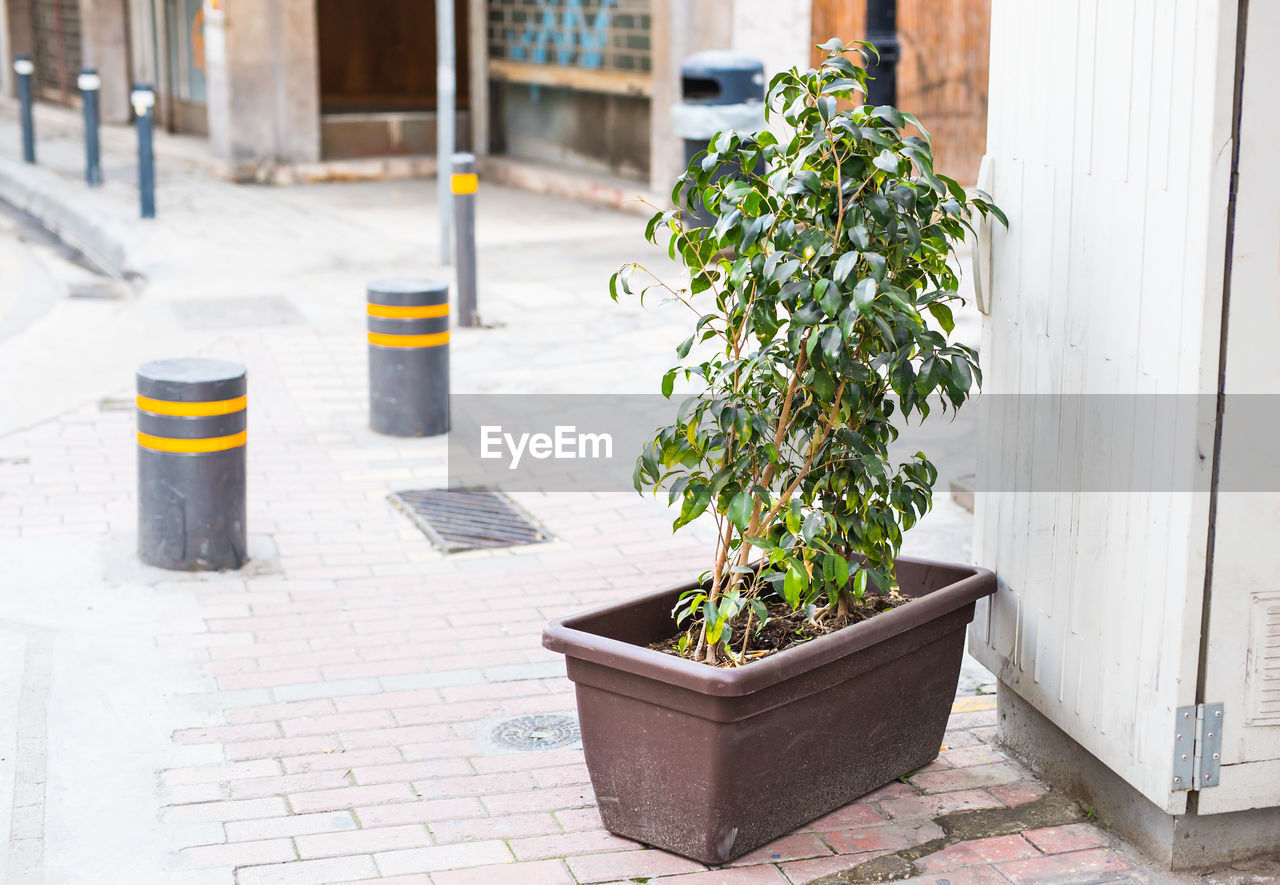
x=566, y=636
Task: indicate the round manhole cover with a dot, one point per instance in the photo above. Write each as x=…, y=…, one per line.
x=541, y=732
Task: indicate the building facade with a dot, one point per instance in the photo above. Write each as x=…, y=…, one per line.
x=580, y=87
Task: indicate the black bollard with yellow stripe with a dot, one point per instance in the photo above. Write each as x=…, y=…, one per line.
x=465, y=184
x=409, y=357
x=192, y=432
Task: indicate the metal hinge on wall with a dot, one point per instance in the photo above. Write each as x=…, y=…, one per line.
x=1197, y=747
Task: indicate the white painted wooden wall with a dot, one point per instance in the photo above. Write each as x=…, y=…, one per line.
x=1109, y=132
x=1243, y=660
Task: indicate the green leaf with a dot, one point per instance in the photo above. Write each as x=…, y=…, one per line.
x=828, y=295
x=740, y=510
x=696, y=498
x=794, y=585
x=669, y=382
x=903, y=378
x=953, y=188
x=814, y=523
x=793, y=520
x=685, y=346
x=896, y=295
x=841, y=570
x=832, y=343
x=823, y=384
x=879, y=266
x=879, y=208
x=848, y=319
x=860, y=584
x=911, y=118
x=942, y=314
x=886, y=161
x=890, y=115
x=930, y=371
x=807, y=315
x=844, y=266
x=864, y=293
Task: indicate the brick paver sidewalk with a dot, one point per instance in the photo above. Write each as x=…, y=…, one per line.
x=327, y=714
x=354, y=678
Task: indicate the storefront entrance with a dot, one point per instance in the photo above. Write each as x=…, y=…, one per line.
x=378, y=76
x=184, y=28
x=56, y=28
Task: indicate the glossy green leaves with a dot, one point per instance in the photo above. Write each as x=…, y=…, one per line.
x=824, y=289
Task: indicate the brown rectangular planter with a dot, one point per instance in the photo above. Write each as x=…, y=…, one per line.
x=711, y=763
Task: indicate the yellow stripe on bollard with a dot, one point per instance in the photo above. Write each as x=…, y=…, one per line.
x=193, y=446
x=192, y=410
x=384, y=340
x=465, y=183
x=416, y=312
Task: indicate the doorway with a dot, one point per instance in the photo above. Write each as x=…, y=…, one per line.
x=57, y=56
x=184, y=33
x=377, y=62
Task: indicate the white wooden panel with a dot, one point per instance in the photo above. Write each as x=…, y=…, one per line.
x=1243, y=661
x=1107, y=120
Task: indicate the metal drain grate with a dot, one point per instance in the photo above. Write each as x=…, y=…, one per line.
x=538, y=732
x=469, y=519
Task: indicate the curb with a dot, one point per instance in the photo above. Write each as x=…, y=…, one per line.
x=45, y=197
x=600, y=191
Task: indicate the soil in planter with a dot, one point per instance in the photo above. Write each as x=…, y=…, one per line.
x=786, y=629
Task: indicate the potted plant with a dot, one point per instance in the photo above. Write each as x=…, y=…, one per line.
x=809, y=664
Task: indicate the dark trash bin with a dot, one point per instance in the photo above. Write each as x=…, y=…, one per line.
x=720, y=90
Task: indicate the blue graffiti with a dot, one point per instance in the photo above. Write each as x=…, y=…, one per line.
x=561, y=31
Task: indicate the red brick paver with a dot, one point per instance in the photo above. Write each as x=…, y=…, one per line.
x=976, y=852
x=1059, y=866
x=1059, y=840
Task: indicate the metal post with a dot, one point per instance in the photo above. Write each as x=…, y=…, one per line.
x=143, y=100
x=465, y=183
x=192, y=433
x=446, y=89
x=23, y=67
x=409, y=357
x=89, y=83
x=882, y=30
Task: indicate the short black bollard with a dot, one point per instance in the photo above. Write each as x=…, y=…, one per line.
x=144, y=101
x=191, y=464
x=464, y=184
x=409, y=357
x=23, y=67
x=89, y=83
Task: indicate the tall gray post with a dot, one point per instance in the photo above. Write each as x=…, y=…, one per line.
x=192, y=432
x=24, y=68
x=143, y=100
x=446, y=94
x=90, y=83
x=465, y=183
x=409, y=357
